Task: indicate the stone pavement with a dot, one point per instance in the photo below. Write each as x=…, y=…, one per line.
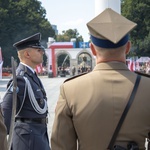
x=51, y=86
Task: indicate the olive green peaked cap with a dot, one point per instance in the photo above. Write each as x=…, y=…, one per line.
x=109, y=25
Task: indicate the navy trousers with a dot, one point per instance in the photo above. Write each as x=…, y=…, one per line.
x=28, y=136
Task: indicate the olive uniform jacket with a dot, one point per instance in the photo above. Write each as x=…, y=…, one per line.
x=90, y=106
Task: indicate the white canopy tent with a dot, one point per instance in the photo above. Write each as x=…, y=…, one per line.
x=143, y=59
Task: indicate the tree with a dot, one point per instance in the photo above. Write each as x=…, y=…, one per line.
x=139, y=12
x=144, y=46
x=20, y=19
x=67, y=35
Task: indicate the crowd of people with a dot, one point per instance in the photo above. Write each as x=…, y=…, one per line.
x=143, y=67
x=72, y=71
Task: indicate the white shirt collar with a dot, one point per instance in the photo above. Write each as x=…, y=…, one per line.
x=28, y=67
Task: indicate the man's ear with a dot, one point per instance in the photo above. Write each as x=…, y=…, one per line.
x=128, y=47
x=93, y=49
x=26, y=54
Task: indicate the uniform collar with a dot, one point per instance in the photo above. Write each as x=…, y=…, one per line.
x=28, y=67
x=30, y=72
x=25, y=69
x=111, y=66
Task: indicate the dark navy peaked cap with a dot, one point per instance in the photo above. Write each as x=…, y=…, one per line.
x=31, y=41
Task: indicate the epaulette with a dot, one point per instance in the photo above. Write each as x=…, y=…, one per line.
x=142, y=74
x=20, y=73
x=74, y=77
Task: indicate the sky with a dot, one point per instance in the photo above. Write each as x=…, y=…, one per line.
x=70, y=14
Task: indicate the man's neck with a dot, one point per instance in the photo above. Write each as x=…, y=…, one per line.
x=28, y=66
x=102, y=60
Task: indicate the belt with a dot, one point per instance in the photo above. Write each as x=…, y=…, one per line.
x=33, y=120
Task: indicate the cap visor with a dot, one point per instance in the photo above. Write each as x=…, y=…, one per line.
x=39, y=47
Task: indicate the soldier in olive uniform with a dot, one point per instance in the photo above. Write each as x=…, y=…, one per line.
x=90, y=105
x=30, y=130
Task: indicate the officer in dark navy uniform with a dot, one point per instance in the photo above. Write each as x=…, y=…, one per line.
x=30, y=130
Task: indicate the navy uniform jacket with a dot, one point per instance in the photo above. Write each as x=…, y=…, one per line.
x=27, y=110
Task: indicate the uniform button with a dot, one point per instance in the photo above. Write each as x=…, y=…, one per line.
x=41, y=101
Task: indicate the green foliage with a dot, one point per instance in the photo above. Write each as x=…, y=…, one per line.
x=20, y=19
x=144, y=46
x=139, y=11
x=67, y=35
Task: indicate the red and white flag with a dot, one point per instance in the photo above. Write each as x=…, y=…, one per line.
x=39, y=68
x=1, y=63
x=131, y=64
x=137, y=66
x=1, y=55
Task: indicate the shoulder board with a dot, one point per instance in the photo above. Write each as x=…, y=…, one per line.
x=21, y=73
x=142, y=74
x=74, y=77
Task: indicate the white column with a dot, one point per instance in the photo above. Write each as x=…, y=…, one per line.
x=101, y=5
x=48, y=53
x=1, y=67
